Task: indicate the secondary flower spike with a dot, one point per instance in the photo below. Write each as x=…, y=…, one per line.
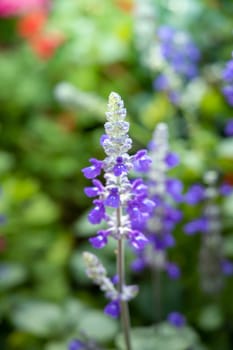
x=163, y=192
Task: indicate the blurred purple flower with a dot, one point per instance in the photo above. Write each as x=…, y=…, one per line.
x=227, y=267
x=226, y=189
x=76, y=344
x=176, y=319
x=229, y=127
x=173, y=270
x=195, y=194
x=195, y=226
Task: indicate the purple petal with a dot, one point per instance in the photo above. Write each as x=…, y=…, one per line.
x=227, y=267
x=229, y=128
x=141, y=161
x=174, y=188
x=226, y=189
x=137, y=240
x=198, y=225
x=99, y=241
x=97, y=214
x=119, y=168
x=195, y=194
x=115, y=279
x=113, y=199
x=172, y=159
x=161, y=83
x=94, y=170
x=139, y=188
x=147, y=206
x=173, y=270
x=228, y=93
x=138, y=265
x=112, y=309
x=76, y=344
x=176, y=319
x=103, y=138
x=166, y=33
x=168, y=240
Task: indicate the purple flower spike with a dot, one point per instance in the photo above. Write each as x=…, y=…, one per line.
x=172, y=159
x=119, y=167
x=141, y=161
x=113, y=199
x=229, y=128
x=227, y=267
x=76, y=344
x=138, y=240
x=195, y=194
x=112, y=309
x=173, y=271
x=97, y=214
x=99, y=241
x=176, y=319
x=94, y=170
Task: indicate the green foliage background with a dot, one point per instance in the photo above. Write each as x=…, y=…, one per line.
x=45, y=298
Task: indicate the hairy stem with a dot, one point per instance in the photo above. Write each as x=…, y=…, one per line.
x=125, y=319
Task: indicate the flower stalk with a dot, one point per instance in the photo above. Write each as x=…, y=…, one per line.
x=125, y=318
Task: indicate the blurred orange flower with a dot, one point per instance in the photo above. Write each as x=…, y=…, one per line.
x=125, y=5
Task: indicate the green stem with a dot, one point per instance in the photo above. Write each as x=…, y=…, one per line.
x=125, y=319
x=156, y=281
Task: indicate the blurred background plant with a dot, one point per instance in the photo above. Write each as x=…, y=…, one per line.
x=59, y=60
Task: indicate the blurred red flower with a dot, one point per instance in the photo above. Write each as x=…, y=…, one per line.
x=31, y=24
x=10, y=8
x=45, y=45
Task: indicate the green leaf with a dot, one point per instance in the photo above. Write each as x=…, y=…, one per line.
x=98, y=326
x=161, y=337
x=6, y=162
x=211, y=318
x=56, y=346
x=11, y=275
x=73, y=312
x=228, y=206
x=39, y=318
x=41, y=210
x=225, y=148
x=228, y=246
